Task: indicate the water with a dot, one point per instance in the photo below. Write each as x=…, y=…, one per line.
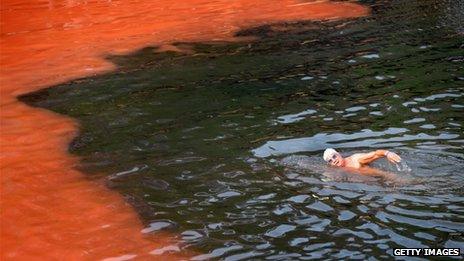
x=50, y=42
x=223, y=146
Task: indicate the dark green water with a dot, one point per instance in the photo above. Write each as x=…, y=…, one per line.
x=224, y=146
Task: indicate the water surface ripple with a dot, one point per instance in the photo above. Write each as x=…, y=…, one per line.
x=223, y=145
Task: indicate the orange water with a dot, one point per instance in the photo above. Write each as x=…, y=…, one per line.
x=48, y=209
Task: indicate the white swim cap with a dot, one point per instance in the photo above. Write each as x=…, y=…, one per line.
x=328, y=154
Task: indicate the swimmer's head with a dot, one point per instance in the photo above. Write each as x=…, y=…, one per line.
x=332, y=157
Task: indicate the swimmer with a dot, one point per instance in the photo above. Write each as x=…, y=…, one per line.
x=358, y=164
x=358, y=160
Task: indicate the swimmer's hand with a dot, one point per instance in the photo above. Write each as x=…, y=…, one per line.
x=393, y=157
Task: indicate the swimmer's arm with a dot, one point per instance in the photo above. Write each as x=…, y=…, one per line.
x=367, y=158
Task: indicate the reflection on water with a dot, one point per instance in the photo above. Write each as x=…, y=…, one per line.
x=391, y=137
x=223, y=145
x=46, y=42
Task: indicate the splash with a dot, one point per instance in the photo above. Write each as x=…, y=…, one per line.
x=403, y=167
x=49, y=210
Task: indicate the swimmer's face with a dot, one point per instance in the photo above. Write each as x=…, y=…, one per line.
x=336, y=160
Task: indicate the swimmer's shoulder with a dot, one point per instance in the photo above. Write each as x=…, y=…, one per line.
x=354, y=160
x=356, y=156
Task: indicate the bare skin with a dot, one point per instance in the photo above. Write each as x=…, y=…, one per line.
x=358, y=163
x=359, y=160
